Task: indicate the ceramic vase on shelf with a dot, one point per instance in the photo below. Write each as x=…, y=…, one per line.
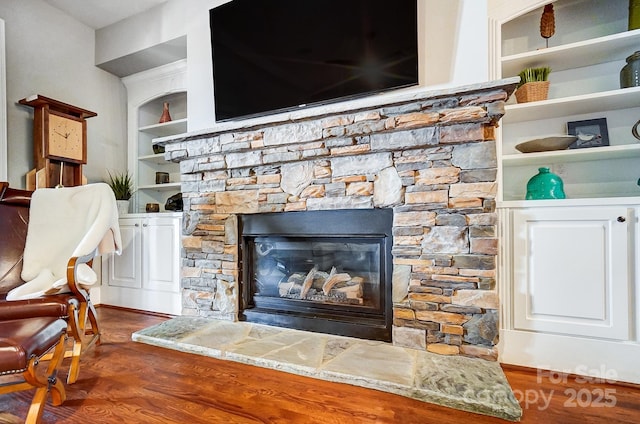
x=166, y=116
x=545, y=185
x=630, y=73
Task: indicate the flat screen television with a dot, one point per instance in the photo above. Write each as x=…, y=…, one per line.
x=271, y=56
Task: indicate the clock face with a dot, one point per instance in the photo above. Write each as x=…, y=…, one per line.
x=66, y=138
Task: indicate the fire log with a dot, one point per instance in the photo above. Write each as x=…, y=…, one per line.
x=333, y=280
x=353, y=291
x=306, y=285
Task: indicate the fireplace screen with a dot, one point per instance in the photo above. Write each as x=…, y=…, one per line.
x=326, y=271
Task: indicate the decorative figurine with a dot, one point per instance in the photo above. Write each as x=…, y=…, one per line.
x=547, y=23
x=166, y=116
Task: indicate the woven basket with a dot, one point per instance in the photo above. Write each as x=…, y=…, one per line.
x=533, y=91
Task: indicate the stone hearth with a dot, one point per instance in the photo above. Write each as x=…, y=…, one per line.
x=428, y=156
x=469, y=384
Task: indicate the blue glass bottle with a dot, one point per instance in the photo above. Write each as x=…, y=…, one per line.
x=545, y=185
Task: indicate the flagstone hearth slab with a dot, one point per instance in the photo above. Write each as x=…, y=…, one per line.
x=469, y=384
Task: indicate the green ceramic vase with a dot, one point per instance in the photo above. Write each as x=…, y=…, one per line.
x=545, y=185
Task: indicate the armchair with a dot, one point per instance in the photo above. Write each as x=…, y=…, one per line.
x=52, y=236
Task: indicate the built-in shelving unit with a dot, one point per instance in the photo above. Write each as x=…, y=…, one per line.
x=554, y=251
x=584, y=85
x=146, y=275
x=148, y=91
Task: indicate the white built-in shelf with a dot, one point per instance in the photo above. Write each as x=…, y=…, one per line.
x=575, y=105
x=160, y=187
x=176, y=126
x=162, y=214
x=155, y=159
x=587, y=201
x=572, y=155
x=575, y=55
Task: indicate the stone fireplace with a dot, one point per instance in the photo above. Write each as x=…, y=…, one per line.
x=429, y=158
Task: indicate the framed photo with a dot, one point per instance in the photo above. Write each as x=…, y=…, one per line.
x=590, y=133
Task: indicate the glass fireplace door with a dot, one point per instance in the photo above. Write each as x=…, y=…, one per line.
x=323, y=271
x=326, y=272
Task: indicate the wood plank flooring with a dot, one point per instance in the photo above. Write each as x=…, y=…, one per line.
x=126, y=382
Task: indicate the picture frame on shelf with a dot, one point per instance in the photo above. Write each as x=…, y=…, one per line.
x=590, y=133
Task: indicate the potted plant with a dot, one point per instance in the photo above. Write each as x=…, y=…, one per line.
x=534, y=84
x=122, y=186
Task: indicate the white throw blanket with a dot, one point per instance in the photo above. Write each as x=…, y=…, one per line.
x=64, y=223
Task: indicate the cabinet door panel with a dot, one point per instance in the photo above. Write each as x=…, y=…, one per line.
x=125, y=268
x=161, y=242
x=571, y=271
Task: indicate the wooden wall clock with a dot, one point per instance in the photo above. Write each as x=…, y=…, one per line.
x=59, y=142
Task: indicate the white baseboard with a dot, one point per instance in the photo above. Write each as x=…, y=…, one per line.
x=145, y=300
x=609, y=360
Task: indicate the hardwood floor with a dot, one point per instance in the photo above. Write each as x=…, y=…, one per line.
x=123, y=381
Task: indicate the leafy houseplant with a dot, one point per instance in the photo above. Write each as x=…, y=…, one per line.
x=122, y=185
x=534, y=84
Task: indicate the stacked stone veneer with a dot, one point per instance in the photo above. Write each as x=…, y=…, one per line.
x=432, y=160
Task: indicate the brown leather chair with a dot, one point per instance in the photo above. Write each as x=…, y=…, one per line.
x=75, y=307
x=14, y=220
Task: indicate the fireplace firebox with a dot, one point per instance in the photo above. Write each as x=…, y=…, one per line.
x=322, y=271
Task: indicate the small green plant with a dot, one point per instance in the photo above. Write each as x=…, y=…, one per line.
x=533, y=74
x=121, y=184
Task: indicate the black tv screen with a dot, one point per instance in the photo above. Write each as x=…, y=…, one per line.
x=271, y=56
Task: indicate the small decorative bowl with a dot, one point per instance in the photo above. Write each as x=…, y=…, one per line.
x=546, y=144
x=153, y=207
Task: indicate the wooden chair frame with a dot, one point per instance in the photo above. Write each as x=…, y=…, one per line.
x=83, y=326
x=44, y=384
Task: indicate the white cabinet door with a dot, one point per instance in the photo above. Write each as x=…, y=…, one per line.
x=161, y=244
x=147, y=274
x=571, y=271
x=125, y=269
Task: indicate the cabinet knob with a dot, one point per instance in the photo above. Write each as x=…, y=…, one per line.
x=145, y=225
x=621, y=219
x=136, y=225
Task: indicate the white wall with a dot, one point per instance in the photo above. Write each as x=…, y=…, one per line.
x=199, y=66
x=139, y=32
x=52, y=54
x=453, y=43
